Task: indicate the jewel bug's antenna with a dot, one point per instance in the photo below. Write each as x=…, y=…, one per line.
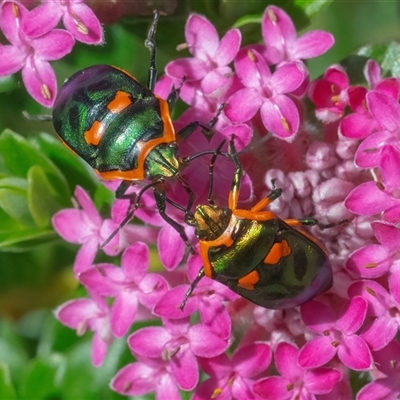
x=192, y=287
x=211, y=171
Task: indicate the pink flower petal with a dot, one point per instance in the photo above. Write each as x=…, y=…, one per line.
x=86, y=255
x=288, y=77
x=11, y=15
x=149, y=342
x=192, y=69
x=171, y=247
x=316, y=352
x=185, y=369
x=83, y=24
x=98, y=350
x=201, y=37
x=252, y=359
x=228, y=47
x=123, y=312
x=286, y=361
x=274, y=387
x=390, y=164
x=371, y=261
x=383, y=388
x=42, y=19
x=40, y=81
x=352, y=315
x=368, y=199
x=312, y=44
x=210, y=348
x=135, y=262
x=356, y=126
x=12, y=60
x=98, y=279
x=243, y=105
x=321, y=380
x=380, y=333
x=133, y=380
x=385, y=109
x=281, y=117
x=354, y=353
x=277, y=28
x=53, y=45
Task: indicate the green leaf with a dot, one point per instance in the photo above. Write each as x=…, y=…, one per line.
x=386, y=54
x=13, y=201
x=12, y=349
x=42, y=377
x=312, y=7
x=18, y=156
x=41, y=197
x=75, y=170
x=7, y=391
x=25, y=239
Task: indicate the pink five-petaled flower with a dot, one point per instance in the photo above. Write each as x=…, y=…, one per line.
x=232, y=378
x=267, y=92
x=208, y=298
x=92, y=314
x=375, y=260
x=145, y=376
x=32, y=55
x=384, y=307
x=179, y=343
x=211, y=57
x=280, y=36
x=337, y=335
x=387, y=361
x=77, y=18
x=329, y=94
x=295, y=382
x=86, y=227
x=129, y=285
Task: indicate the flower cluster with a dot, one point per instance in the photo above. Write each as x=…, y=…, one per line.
x=345, y=173
x=35, y=40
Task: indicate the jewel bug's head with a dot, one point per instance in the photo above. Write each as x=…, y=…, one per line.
x=211, y=221
x=162, y=161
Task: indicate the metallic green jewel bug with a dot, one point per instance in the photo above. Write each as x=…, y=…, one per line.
x=258, y=255
x=124, y=131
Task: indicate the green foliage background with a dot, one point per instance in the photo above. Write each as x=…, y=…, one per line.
x=39, y=358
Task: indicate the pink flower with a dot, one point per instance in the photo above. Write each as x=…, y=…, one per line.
x=208, y=69
x=208, y=298
x=329, y=94
x=86, y=227
x=77, y=18
x=295, y=381
x=32, y=55
x=145, y=376
x=267, y=92
x=279, y=34
x=233, y=378
x=128, y=285
x=384, y=307
x=89, y=314
x=178, y=343
x=386, y=387
x=337, y=335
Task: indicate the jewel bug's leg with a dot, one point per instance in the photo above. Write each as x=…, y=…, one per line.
x=190, y=192
x=275, y=193
x=211, y=172
x=150, y=43
x=133, y=205
x=161, y=203
x=301, y=221
x=191, y=288
x=174, y=94
x=41, y=117
x=237, y=177
x=187, y=130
